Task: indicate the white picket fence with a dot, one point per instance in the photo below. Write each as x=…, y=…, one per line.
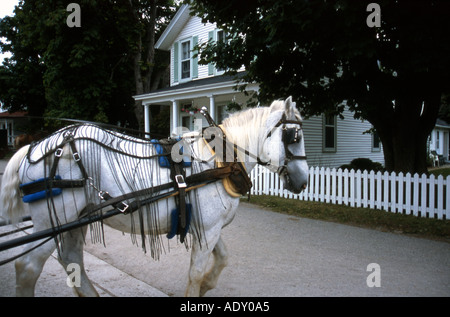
x=419, y=195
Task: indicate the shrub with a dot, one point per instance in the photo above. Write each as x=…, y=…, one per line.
x=363, y=164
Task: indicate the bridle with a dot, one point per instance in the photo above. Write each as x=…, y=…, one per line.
x=289, y=136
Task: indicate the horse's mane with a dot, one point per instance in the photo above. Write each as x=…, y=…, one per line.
x=247, y=124
x=255, y=116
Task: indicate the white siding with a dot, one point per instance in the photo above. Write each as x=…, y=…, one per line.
x=351, y=142
x=193, y=27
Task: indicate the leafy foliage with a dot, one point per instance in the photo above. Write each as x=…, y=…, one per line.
x=82, y=72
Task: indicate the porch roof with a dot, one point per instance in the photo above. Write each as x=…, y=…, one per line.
x=16, y=114
x=210, y=86
x=442, y=124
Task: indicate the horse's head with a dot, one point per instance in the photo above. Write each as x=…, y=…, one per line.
x=283, y=146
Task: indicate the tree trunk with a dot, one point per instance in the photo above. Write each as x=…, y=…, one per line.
x=138, y=111
x=406, y=151
x=405, y=129
x=143, y=67
x=149, y=47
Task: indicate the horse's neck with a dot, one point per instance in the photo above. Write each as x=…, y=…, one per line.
x=248, y=137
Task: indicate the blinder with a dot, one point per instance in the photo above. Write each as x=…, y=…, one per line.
x=291, y=135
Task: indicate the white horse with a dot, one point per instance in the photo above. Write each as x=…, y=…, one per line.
x=273, y=134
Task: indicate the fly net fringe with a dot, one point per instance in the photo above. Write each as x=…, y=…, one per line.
x=131, y=163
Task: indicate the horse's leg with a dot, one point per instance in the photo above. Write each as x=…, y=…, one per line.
x=72, y=252
x=29, y=267
x=199, y=262
x=220, y=261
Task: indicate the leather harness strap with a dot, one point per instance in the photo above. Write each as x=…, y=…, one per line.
x=180, y=184
x=52, y=181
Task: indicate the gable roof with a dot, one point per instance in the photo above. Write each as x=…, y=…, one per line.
x=17, y=114
x=442, y=124
x=174, y=28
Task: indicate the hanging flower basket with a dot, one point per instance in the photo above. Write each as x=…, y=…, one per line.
x=233, y=106
x=191, y=110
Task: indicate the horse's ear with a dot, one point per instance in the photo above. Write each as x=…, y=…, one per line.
x=277, y=105
x=289, y=106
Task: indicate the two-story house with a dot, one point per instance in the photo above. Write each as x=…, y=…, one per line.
x=329, y=141
x=439, y=142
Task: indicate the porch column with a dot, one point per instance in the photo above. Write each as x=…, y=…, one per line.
x=147, y=120
x=175, y=114
x=212, y=107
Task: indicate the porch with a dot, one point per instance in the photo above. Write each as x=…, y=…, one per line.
x=185, y=101
x=10, y=123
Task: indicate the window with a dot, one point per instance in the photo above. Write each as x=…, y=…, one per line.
x=185, y=59
x=218, y=36
x=329, y=133
x=438, y=142
x=375, y=142
x=222, y=113
x=186, y=121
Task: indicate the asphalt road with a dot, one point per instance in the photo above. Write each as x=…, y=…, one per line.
x=270, y=255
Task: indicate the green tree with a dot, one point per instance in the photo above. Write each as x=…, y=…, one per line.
x=444, y=111
x=324, y=53
x=85, y=72
x=149, y=17
x=21, y=75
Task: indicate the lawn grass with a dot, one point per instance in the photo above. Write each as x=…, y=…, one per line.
x=441, y=171
x=361, y=217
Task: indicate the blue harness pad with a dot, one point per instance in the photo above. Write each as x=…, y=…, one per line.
x=163, y=159
x=174, y=221
x=41, y=194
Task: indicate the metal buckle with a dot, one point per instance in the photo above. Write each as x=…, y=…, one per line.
x=76, y=156
x=125, y=207
x=68, y=135
x=180, y=181
x=102, y=194
x=59, y=152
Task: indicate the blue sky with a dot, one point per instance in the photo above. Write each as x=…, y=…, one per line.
x=6, y=8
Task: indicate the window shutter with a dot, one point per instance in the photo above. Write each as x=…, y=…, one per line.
x=175, y=62
x=194, y=57
x=210, y=65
